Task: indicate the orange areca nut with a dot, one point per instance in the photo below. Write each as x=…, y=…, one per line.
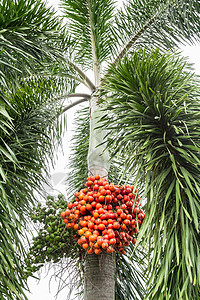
x=106, y=216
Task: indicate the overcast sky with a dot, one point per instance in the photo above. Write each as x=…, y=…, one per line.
x=40, y=290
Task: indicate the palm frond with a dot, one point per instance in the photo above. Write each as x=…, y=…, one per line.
x=29, y=35
x=35, y=115
x=90, y=23
x=161, y=23
x=24, y=151
x=12, y=279
x=33, y=39
x=153, y=119
x=130, y=274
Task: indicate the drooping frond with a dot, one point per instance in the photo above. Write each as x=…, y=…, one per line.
x=12, y=282
x=30, y=140
x=130, y=275
x=90, y=23
x=153, y=119
x=34, y=114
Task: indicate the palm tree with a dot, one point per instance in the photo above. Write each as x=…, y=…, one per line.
x=104, y=36
x=97, y=35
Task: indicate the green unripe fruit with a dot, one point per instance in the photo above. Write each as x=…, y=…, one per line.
x=49, y=250
x=49, y=229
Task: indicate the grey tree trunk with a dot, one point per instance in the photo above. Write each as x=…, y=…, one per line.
x=99, y=278
x=99, y=271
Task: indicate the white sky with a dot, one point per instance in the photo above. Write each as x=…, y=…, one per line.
x=40, y=290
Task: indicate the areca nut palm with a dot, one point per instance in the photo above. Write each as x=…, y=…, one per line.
x=103, y=35
x=97, y=33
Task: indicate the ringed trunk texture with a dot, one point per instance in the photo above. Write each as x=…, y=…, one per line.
x=99, y=278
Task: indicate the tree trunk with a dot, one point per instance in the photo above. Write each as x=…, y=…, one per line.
x=98, y=157
x=99, y=281
x=99, y=273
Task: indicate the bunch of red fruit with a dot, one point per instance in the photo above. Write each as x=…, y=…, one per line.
x=106, y=216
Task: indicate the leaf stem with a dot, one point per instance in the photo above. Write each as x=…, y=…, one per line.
x=95, y=59
x=74, y=104
x=78, y=95
x=89, y=83
x=86, y=79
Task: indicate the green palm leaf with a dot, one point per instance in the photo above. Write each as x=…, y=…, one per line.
x=35, y=115
x=79, y=151
x=90, y=24
x=157, y=24
x=130, y=278
x=24, y=152
x=153, y=116
x=29, y=35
